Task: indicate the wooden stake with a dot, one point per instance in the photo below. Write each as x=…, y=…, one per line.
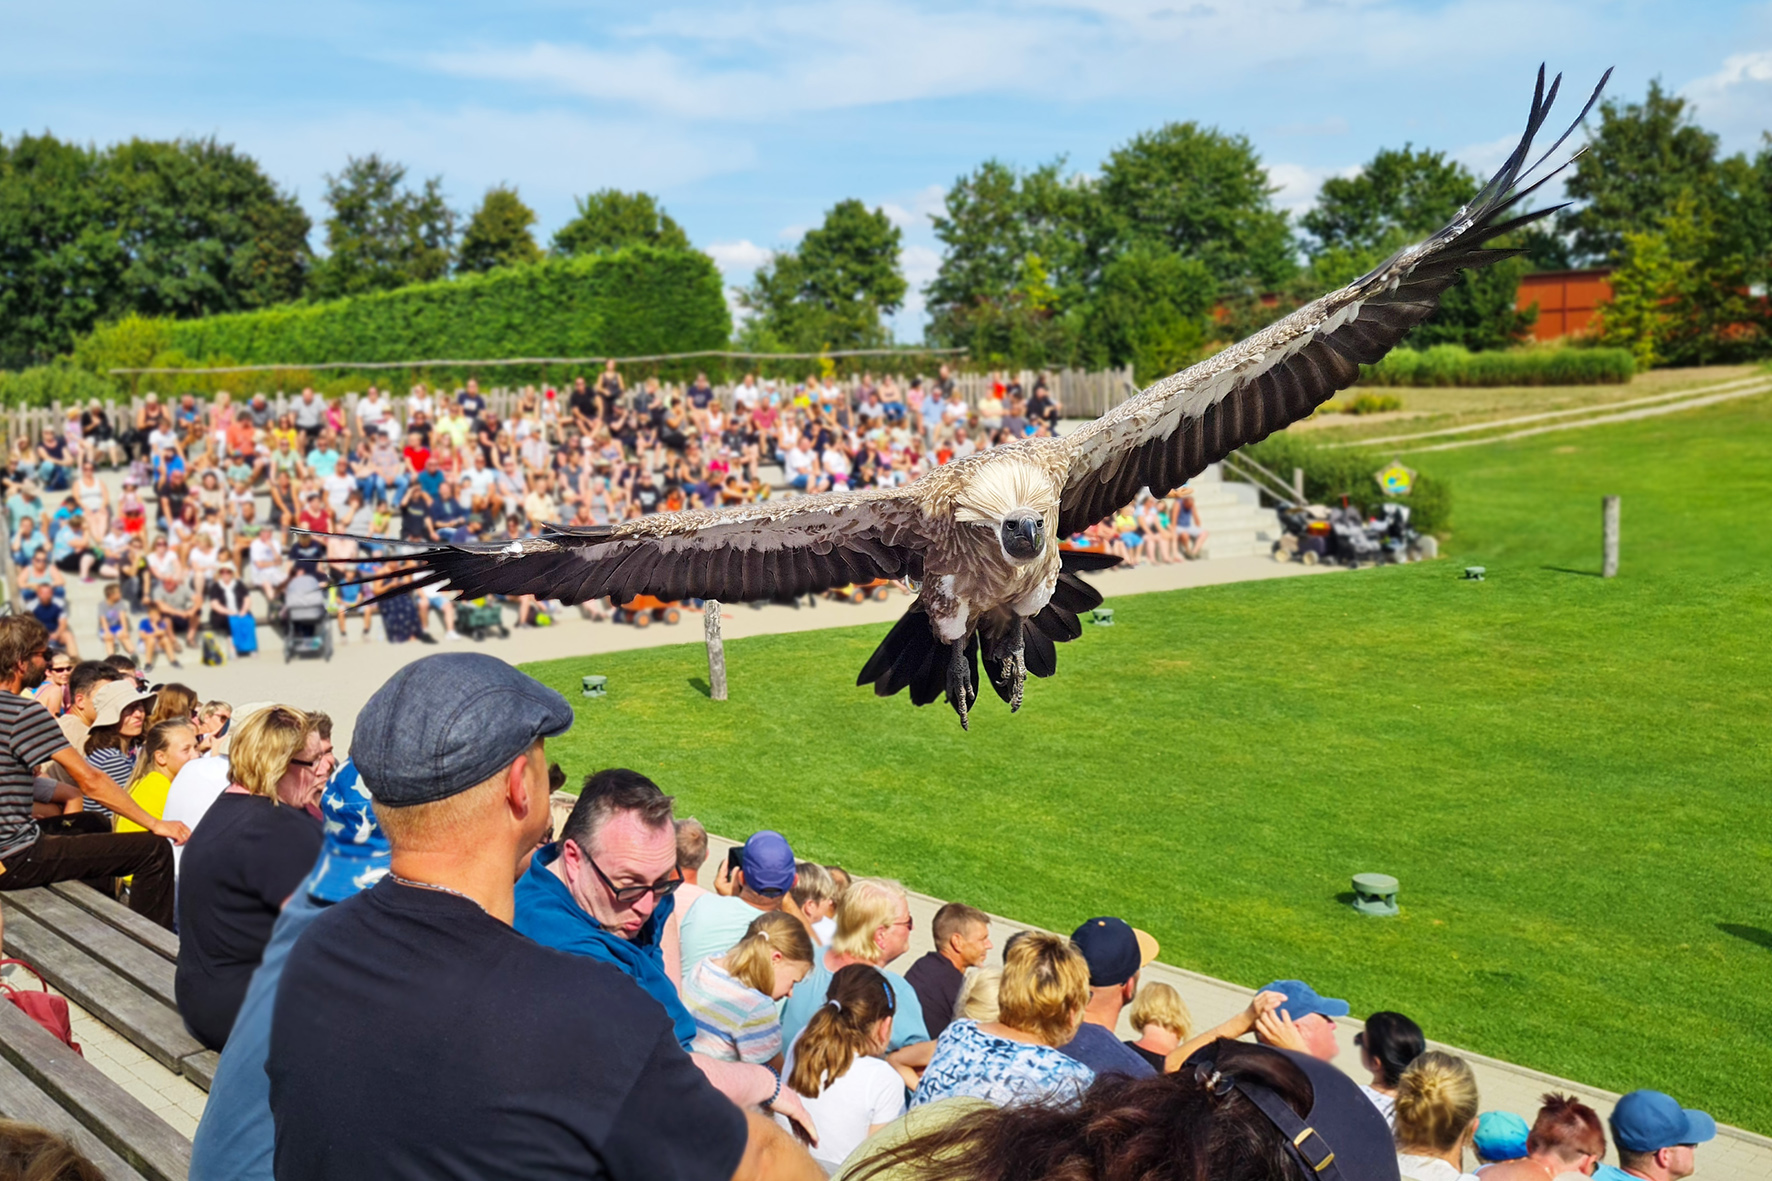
x=710, y=618
x=1609, y=537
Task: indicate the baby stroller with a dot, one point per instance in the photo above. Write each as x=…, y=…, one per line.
x=307, y=626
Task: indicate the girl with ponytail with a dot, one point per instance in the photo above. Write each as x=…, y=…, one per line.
x=732, y=997
x=839, y=1071
x=1436, y=1116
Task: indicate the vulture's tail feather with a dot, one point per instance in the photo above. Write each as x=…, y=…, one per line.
x=910, y=657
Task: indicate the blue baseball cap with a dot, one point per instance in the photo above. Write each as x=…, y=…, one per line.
x=1501, y=1135
x=1302, y=1000
x=1644, y=1121
x=353, y=852
x=768, y=862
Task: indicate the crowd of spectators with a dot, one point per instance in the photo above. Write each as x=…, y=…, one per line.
x=210, y=487
x=408, y=970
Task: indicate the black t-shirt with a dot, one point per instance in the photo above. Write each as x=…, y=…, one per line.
x=1157, y=1061
x=415, y=519
x=938, y=988
x=243, y=861
x=307, y=554
x=415, y=1036
x=584, y=402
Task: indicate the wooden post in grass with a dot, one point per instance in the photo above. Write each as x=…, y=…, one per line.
x=1609, y=537
x=710, y=618
x=1298, y=485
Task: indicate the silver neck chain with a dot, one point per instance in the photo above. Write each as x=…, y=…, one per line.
x=433, y=886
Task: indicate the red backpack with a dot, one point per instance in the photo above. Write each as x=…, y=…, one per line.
x=45, y=1008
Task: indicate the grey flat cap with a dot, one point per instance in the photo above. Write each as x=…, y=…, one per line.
x=447, y=722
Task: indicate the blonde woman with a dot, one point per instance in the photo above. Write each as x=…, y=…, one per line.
x=732, y=997
x=1015, y=1059
x=1435, y=1117
x=849, y=1090
x=250, y=851
x=1163, y=1022
x=978, y=995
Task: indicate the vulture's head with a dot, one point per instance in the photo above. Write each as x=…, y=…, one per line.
x=1023, y=534
x=1015, y=500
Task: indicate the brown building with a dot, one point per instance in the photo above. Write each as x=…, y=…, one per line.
x=1566, y=300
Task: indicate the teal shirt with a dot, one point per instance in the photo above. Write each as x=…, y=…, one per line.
x=908, y=1027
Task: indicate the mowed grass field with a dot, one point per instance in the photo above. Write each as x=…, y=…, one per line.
x=1568, y=774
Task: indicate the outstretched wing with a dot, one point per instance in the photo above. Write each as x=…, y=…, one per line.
x=755, y=551
x=1176, y=428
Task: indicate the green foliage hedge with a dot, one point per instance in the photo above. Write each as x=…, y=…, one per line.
x=1450, y=364
x=58, y=382
x=639, y=301
x=1331, y=474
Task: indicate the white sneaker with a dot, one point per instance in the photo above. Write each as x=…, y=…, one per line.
x=452, y=636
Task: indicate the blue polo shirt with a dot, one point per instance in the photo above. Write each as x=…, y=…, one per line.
x=549, y=914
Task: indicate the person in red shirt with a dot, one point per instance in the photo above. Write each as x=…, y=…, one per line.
x=417, y=454
x=315, y=515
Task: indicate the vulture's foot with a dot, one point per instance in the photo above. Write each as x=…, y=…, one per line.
x=1015, y=670
x=961, y=691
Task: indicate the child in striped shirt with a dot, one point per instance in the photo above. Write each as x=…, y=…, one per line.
x=732, y=997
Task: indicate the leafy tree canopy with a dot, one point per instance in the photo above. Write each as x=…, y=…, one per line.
x=609, y=219
x=498, y=233
x=1400, y=194
x=381, y=234
x=833, y=290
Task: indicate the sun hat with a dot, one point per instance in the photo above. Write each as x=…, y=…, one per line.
x=113, y=698
x=1501, y=1135
x=1302, y=1000
x=1644, y=1121
x=1114, y=950
x=354, y=852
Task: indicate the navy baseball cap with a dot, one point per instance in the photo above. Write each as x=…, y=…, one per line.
x=768, y=862
x=1501, y=1135
x=1114, y=950
x=1302, y=1000
x=447, y=722
x=1644, y=1121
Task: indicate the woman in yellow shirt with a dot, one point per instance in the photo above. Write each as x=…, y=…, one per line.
x=166, y=748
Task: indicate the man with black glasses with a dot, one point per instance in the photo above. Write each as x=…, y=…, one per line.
x=604, y=891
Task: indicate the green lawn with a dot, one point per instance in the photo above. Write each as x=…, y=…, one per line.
x=1568, y=774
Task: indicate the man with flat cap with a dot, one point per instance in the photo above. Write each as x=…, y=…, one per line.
x=416, y=1035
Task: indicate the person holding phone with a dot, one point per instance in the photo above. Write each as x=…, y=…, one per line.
x=754, y=880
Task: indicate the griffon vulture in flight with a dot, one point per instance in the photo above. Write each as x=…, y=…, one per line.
x=980, y=536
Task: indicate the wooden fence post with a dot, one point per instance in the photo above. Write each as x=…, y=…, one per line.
x=1609, y=537
x=710, y=619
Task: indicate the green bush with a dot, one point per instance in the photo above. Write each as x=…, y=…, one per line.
x=1330, y=474
x=57, y=382
x=635, y=302
x=1450, y=364
x=1365, y=404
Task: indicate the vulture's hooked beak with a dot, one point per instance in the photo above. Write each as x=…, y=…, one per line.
x=1024, y=537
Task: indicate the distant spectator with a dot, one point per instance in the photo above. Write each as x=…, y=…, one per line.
x=1016, y=1059
x=1436, y=1116
x=1566, y=1142
x=116, y=733
x=1501, y=1136
x=692, y=854
x=1388, y=1044
x=246, y=857
x=1161, y=1019
x=732, y=996
x=1657, y=1139
x=166, y=748
x=978, y=995
x=692, y=850
x=873, y=927
x=716, y=922
x=1116, y=952
x=84, y=682
x=962, y=940
x=839, y=1066
x=563, y=1069
x=1304, y=1021
x=815, y=894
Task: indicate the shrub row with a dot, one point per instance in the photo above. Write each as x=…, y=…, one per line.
x=1330, y=475
x=1450, y=364
x=58, y=382
x=635, y=302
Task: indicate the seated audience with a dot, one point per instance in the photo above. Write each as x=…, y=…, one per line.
x=1388, y=1044
x=1304, y=1021
x=718, y=920
x=116, y=732
x=202, y=780
x=166, y=748
x=692, y=854
x=1657, y=1139
x=815, y=895
x=962, y=939
x=839, y=1067
x=1161, y=1019
x=429, y=1069
x=248, y=854
x=732, y=997
x=1237, y=1112
x=1435, y=1116
x=1015, y=1059
x=873, y=927
x=1566, y=1143
x=1115, y=952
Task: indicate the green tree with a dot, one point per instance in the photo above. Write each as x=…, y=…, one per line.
x=833, y=290
x=1203, y=195
x=610, y=219
x=381, y=234
x=498, y=233
x=59, y=255
x=1152, y=310
x=1641, y=159
x=1401, y=193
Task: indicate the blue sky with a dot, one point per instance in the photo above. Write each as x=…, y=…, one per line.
x=750, y=120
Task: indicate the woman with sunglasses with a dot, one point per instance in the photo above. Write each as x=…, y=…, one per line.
x=247, y=855
x=53, y=692
x=115, y=737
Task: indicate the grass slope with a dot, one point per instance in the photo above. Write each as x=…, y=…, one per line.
x=1568, y=774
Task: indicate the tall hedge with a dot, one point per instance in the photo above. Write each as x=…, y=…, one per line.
x=1454, y=365
x=639, y=301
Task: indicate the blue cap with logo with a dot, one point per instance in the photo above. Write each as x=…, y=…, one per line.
x=1302, y=1000
x=353, y=852
x=1501, y=1135
x=1644, y=1121
x=768, y=862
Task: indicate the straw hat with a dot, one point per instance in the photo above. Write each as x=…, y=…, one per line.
x=115, y=697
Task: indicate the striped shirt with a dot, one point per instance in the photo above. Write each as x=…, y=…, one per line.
x=116, y=763
x=29, y=738
x=733, y=1021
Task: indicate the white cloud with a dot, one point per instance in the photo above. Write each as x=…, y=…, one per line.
x=1734, y=101
x=740, y=258
x=1298, y=183
x=915, y=215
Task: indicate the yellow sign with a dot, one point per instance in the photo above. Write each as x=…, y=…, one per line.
x=1395, y=479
